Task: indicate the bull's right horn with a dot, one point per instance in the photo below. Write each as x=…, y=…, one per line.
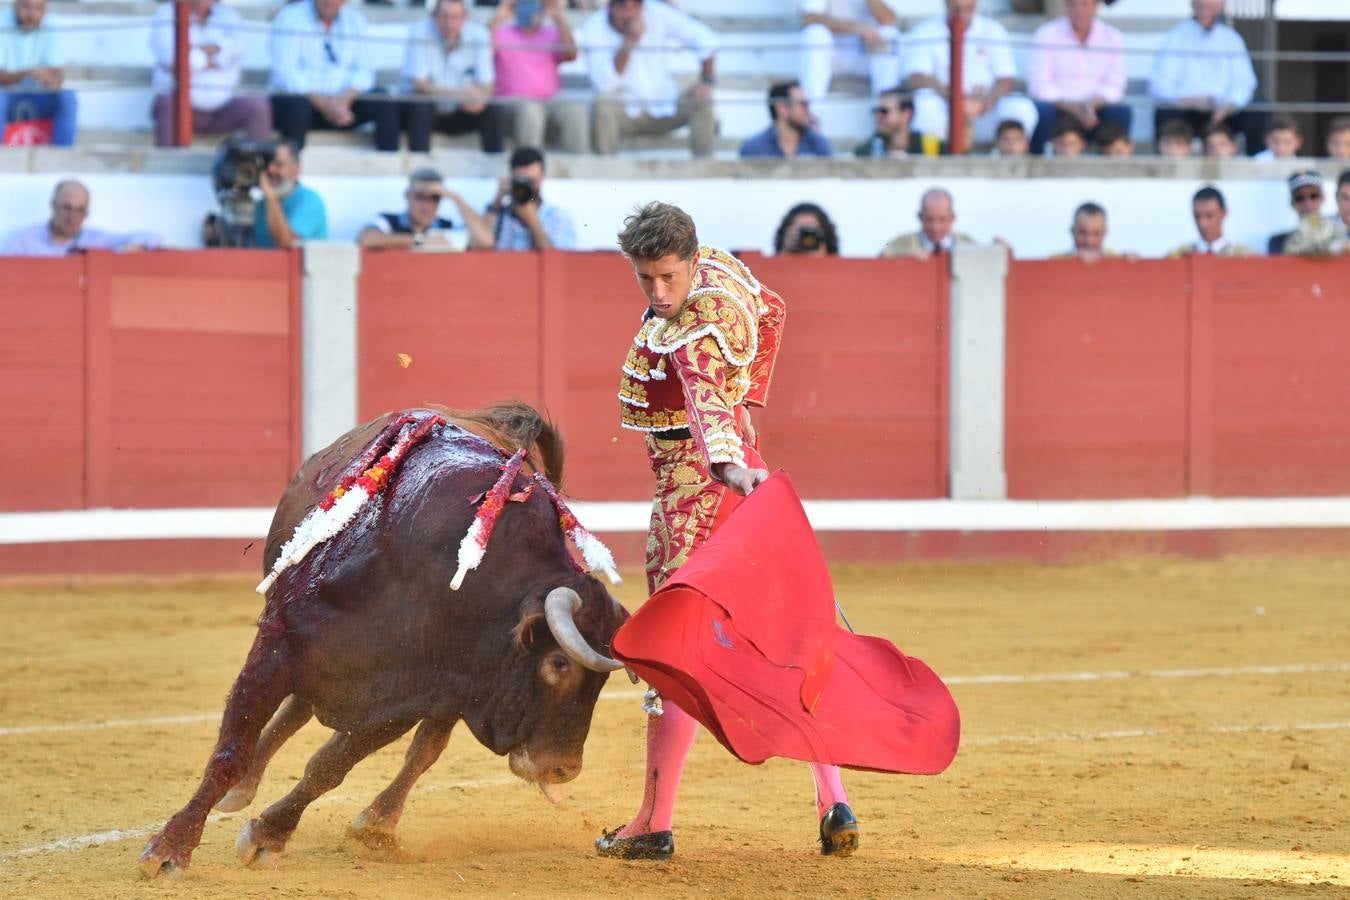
x=559, y=606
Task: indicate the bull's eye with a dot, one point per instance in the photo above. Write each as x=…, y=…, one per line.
x=554, y=668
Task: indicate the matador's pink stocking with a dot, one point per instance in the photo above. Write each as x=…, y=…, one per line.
x=669, y=737
x=829, y=787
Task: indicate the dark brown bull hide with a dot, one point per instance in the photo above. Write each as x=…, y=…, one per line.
x=365, y=634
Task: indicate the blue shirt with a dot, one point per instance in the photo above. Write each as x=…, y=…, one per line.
x=557, y=224
x=309, y=59
x=813, y=143
x=304, y=212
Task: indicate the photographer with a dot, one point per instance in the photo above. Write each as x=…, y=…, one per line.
x=290, y=212
x=806, y=230
x=519, y=219
x=420, y=227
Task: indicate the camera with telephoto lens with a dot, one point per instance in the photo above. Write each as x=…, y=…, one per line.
x=522, y=191
x=237, y=169
x=809, y=240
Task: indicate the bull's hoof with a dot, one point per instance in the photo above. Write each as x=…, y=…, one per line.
x=254, y=852
x=238, y=797
x=838, y=831
x=159, y=858
x=375, y=834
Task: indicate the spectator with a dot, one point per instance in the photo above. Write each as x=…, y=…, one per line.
x=216, y=62
x=1175, y=138
x=790, y=133
x=806, y=230
x=892, y=114
x=31, y=72
x=1011, y=139
x=1203, y=74
x=1317, y=235
x=1210, y=211
x=526, y=54
x=1220, y=142
x=1112, y=140
x=1089, y=235
x=989, y=74
x=1283, y=138
x=1077, y=72
x=320, y=72
x=935, y=234
x=420, y=225
x=628, y=46
x=848, y=37
x=290, y=212
x=1338, y=139
x=1305, y=196
x=65, y=233
x=519, y=219
x=449, y=59
x=1068, y=137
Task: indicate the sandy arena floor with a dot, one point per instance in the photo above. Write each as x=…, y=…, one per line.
x=1132, y=729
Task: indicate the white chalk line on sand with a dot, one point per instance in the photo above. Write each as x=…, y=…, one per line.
x=954, y=680
x=80, y=842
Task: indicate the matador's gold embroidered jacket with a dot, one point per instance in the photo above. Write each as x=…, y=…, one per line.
x=692, y=371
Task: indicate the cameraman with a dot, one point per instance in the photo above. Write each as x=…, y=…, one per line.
x=518, y=217
x=290, y=212
x=806, y=230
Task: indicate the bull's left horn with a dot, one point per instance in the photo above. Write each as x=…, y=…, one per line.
x=559, y=607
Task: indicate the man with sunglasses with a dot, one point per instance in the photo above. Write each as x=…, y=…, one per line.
x=321, y=77
x=1305, y=196
x=628, y=48
x=421, y=226
x=1316, y=234
x=789, y=134
x=893, y=138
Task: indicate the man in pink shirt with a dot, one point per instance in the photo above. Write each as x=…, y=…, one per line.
x=526, y=54
x=1077, y=69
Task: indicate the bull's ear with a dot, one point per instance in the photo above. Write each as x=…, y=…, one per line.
x=531, y=616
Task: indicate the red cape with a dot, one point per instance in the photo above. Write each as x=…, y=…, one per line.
x=743, y=638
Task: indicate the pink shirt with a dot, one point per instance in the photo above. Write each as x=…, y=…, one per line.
x=527, y=64
x=1063, y=68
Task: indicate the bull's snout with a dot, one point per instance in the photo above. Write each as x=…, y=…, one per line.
x=553, y=769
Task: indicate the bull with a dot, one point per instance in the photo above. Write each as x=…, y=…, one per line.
x=365, y=634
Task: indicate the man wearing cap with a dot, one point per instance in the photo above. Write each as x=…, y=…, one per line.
x=420, y=226
x=1317, y=235
x=1305, y=196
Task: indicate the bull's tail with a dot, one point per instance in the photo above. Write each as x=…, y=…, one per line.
x=517, y=425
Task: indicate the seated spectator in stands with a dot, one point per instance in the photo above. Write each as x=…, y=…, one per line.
x=1220, y=142
x=1175, y=138
x=893, y=138
x=628, y=56
x=320, y=72
x=216, y=62
x=1068, y=138
x=1203, y=74
x=1338, y=139
x=1209, y=210
x=420, y=227
x=1112, y=140
x=1078, y=72
x=789, y=133
x=1283, y=138
x=1319, y=235
x=989, y=75
x=1305, y=196
x=937, y=216
x=519, y=219
x=290, y=212
x=526, y=54
x=449, y=59
x=65, y=233
x=31, y=72
x=1089, y=235
x=806, y=230
x=1011, y=139
x=857, y=38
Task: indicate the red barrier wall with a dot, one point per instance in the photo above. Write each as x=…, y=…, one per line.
x=859, y=400
x=151, y=380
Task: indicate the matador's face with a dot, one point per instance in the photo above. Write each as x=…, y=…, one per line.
x=665, y=283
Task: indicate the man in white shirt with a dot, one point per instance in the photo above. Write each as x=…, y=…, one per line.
x=216, y=61
x=987, y=77
x=1203, y=73
x=30, y=72
x=449, y=61
x=628, y=45
x=1078, y=70
x=848, y=37
x=321, y=77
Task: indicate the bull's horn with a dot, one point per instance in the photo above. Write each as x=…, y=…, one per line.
x=559, y=607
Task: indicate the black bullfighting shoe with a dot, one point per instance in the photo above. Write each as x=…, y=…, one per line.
x=655, y=845
x=838, y=831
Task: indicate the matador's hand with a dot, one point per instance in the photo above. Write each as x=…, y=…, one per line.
x=743, y=480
